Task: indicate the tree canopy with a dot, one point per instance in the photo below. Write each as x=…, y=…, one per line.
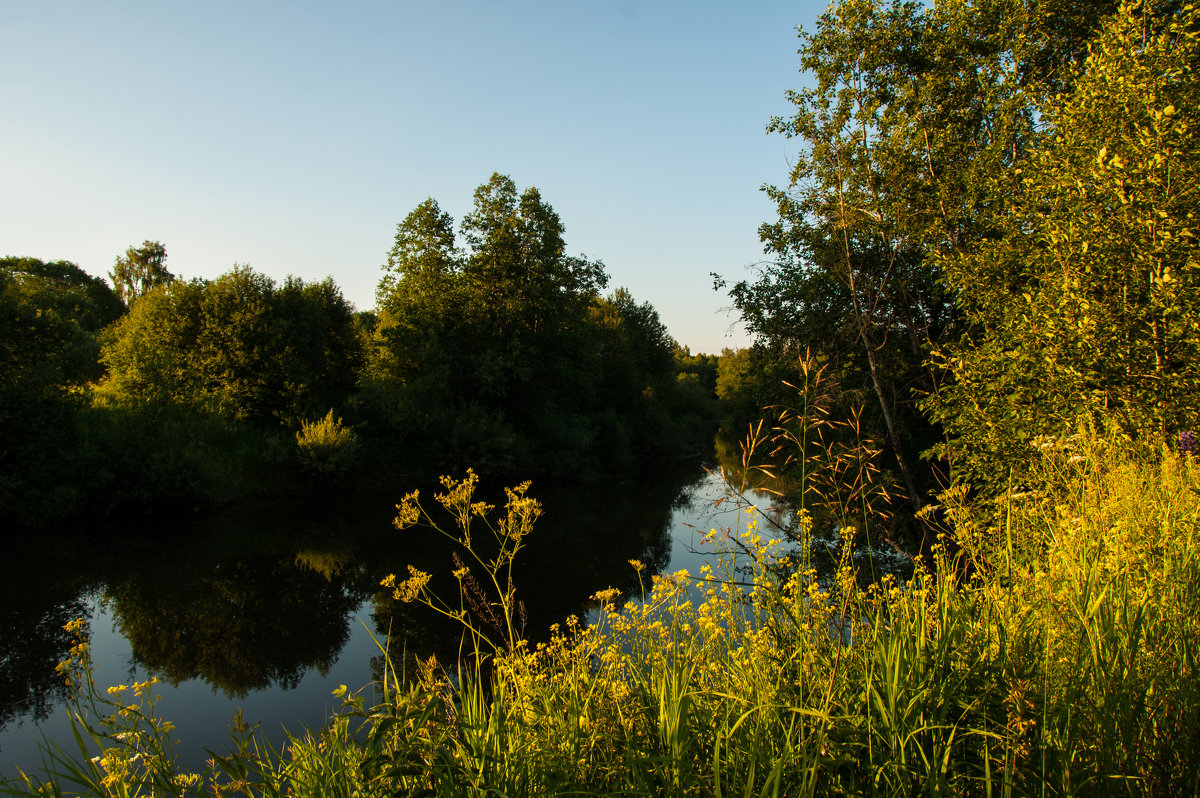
x=239, y=346
x=50, y=317
x=139, y=270
x=1083, y=304
x=918, y=118
x=501, y=353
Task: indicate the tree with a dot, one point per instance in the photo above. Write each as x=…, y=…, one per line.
x=62, y=297
x=1084, y=304
x=502, y=355
x=916, y=115
x=139, y=270
x=238, y=346
x=50, y=317
x=486, y=350
x=67, y=289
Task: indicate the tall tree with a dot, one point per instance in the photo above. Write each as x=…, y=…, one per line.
x=917, y=114
x=503, y=354
x=139, y=270
x=1084, y=304
x=50, y=318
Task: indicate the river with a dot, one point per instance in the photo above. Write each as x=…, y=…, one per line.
x=268, y=607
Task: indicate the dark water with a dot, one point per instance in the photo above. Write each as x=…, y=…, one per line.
x=269, y=607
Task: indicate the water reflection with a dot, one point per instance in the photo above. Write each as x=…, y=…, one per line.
x=582, y=543
x=255, y=600
x=33, y=642
x=239, y=625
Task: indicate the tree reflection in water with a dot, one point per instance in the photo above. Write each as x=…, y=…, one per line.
x=32, y=643
x=251, y=598
x=239, y=625
x=582, y=543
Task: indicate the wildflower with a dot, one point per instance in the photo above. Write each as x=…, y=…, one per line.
x=1187, y=444
x=142, y=688
x=605, y=596
x=638, y=565
x=408, y=590
x=186, y=780
x=408, y=511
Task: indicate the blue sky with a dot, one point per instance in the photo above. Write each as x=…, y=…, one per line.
x=295, y=136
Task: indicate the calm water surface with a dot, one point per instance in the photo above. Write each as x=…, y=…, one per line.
x=269, y=607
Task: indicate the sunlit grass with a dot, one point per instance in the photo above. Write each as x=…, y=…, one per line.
x=1047, y=648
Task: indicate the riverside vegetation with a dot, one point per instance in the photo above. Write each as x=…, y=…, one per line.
x=1048, y=648
x=503, y=355
x=985, y=254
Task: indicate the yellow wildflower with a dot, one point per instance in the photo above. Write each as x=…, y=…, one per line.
x=408, y=511
x=408, y=590
x=605, y=596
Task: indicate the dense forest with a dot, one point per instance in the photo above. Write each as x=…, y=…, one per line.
x=981, y=304
x=502, y=354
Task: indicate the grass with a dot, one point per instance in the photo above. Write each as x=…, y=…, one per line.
x=1048, y=648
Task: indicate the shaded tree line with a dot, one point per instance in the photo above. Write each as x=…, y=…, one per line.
x=494, y=348
x=490, y=346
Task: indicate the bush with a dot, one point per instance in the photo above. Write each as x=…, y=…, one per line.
x=326, y=446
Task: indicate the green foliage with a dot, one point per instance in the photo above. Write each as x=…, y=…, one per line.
x=747, y=382
x=50, y=314
x=504, y=356
x=65, y=448
x=484, y=345
x=664, y=409
x=164, y=455
x=916, y=114
x=66, y=289
x=139, y=270
x=53, y=312
x=326, y=446
x=238, y=346
x=1083, y=302
x=704, y=367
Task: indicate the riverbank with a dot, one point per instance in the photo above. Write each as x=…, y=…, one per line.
x=1053, y=653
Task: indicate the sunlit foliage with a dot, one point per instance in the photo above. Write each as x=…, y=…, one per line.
x=239, y=346
x=1084, y=301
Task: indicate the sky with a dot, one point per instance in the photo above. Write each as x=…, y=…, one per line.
x=295, y=136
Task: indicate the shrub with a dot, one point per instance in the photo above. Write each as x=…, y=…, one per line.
x=326, y=446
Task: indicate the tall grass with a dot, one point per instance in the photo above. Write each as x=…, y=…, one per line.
x=1047, y=648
